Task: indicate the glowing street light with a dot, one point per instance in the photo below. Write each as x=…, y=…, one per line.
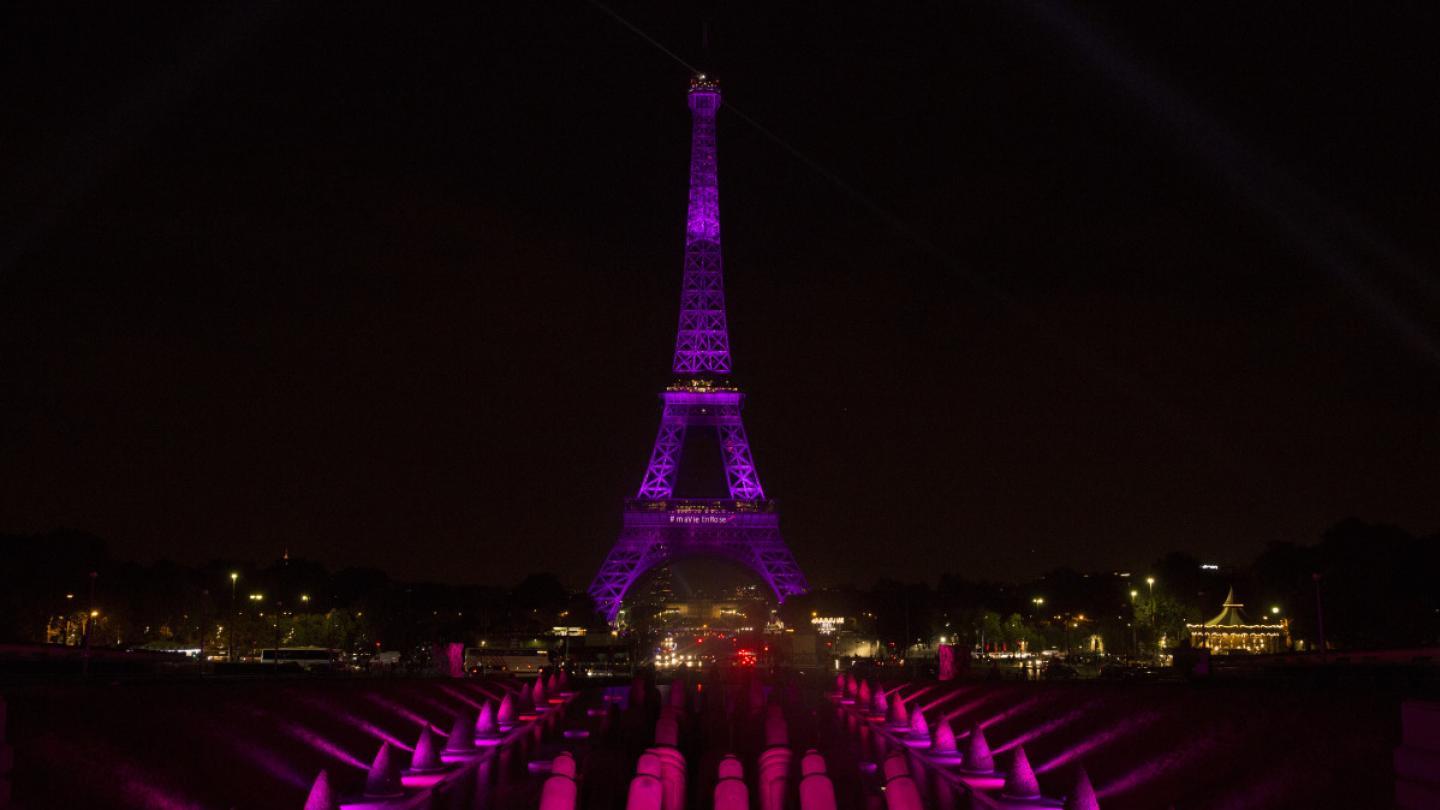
x=1274, y=610
x=230, y=635
x=1150, y=581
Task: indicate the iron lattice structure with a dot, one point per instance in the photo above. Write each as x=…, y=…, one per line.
x=658, y=527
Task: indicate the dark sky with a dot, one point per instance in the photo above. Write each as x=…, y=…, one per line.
x=1010, y=287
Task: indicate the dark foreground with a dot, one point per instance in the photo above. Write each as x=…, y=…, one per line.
x=214, y=743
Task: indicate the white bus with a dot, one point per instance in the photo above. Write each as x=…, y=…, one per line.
x=526, y=663
x=309, y=658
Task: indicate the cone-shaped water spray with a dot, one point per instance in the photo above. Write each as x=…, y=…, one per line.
x=507, y=714
x=944, y=739
x=537, y=693
x=1020, y=779
x=524, y=703
x=425, y=758
x=918, y=726
x=485, y=723
x=977, y=752
x=850, y=685
x=563, y=681
x=880, y=704
x=462, y=735
x=383, y=780
x=862, y=694
x=899, y=716
x=1082, y=796
x=322, y=797
x=840, y=684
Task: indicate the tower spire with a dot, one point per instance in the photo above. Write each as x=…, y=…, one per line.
x=702, y=342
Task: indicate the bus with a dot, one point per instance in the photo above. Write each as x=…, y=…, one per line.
x=525, y=663
x=308, y=658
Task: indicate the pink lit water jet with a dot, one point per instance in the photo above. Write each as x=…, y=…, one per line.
x=972, y=705
x=1046, y=727
x=399, y=709
x=1121, y=729
x=947, y=697
x=319, y=743
x=1159, y=765
x=1019, y=708
x=459, y=694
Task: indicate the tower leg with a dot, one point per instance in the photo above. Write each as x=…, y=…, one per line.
x=659, y=480
x=740, y=472
x=635, y=552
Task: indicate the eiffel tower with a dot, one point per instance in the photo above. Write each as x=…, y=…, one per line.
x=658, y=527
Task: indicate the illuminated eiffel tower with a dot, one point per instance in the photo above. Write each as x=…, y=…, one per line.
x=658, y=527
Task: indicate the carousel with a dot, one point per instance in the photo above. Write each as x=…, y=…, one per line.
x=1232, y=632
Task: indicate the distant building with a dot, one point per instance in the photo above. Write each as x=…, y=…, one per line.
x=1231, y=632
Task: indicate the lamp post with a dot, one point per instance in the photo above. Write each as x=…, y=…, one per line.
x=258, y=598
x=230, y=640
x=1154, y=628
x=89, y=625
x=1134, y=634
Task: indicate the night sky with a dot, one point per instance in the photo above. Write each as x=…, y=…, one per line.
x=1010, y=286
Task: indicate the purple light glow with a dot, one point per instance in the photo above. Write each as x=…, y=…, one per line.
x=460, y=695
x=450, y=712
x=1124, y=728
x=1019, y=708
x=387, y=703
x=972, y=705
x=270, y=763
x=356, y=721
x=946, y=698
x=319, y=743
x=1158, y=765
x=143, y=792
x=1045, y=728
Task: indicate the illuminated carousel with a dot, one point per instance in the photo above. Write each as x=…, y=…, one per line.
x=1232, y=632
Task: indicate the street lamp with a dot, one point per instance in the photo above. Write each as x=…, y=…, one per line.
x=1134, y=634
x=230, y=641
x=1154, y=632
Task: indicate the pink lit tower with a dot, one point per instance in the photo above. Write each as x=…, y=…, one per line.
x=660, y=528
